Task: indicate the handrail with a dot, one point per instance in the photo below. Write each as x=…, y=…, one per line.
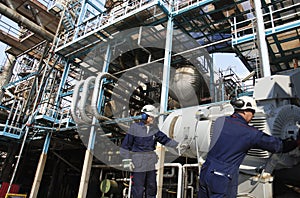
x=101, y=20
x=187, y=5
x=249, y=23
x=13, y=127
x=9, y=29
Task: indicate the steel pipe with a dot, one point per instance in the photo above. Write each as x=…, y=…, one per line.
x=13, y=15
x=74, y=103
x=82, y=107
x=97, y=91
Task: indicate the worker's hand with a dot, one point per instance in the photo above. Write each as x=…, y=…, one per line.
x=128, y=164
x=182, y=147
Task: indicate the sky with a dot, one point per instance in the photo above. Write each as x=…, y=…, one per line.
x=2, y=53
x=7, y=26
x=225, y=61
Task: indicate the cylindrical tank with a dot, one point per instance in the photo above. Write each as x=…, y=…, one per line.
x=188, y=86
x=193, y=125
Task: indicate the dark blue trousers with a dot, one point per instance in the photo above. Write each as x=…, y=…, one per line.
x=217, y=181
x=144, y=182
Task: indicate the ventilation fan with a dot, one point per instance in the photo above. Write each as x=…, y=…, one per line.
x=286, y=122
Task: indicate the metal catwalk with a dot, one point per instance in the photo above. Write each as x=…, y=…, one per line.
x=76, y=64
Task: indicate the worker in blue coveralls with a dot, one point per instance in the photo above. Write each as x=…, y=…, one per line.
x=232, y=138
x=138, y=152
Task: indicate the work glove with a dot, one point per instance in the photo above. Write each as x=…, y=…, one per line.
x=128, y=164
x=182, y=147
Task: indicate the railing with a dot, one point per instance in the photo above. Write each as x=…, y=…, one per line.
x=66, y=120
x=180, y=5
x=8, y=27
x=245, y=30
x=10, y=131
x=47, y=3
x=101, y=20
x=12, y=127
x=61, y=117
x=118, y=12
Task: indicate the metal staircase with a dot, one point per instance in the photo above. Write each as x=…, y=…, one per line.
x=231, y=82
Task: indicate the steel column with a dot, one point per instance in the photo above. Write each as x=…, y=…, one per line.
x=261, y=38
x=164, y=102
x=40, y=168
x=88, y=159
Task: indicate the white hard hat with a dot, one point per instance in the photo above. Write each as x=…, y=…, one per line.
x=244, y=103
x=150, y=110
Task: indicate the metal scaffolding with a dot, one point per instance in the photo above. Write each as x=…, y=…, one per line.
x=133, y=50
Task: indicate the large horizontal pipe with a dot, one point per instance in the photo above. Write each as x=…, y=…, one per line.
x=13, y=15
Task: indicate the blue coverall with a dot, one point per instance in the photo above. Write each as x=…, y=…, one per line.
x=231, y=140
x=139, y=145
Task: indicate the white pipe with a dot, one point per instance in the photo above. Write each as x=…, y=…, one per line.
x=95, y=97
x=179, y=186
x=167, y=175
x=192, y=179
x=190, y=165
x=192, y=190
x=81, y=98
x=130, y=186
x=83, y=101
x=74, y=103
x=184, y=167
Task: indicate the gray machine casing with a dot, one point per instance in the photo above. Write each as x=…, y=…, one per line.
x=278, y=100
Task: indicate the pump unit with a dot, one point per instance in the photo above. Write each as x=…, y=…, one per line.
x=279, y=115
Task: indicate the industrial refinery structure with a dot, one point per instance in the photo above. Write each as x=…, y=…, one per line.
x=79, y=71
